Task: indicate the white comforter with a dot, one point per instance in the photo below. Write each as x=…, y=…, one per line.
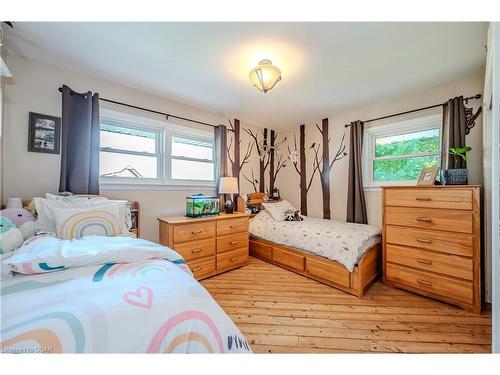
x=344, y=242
x=124, y=296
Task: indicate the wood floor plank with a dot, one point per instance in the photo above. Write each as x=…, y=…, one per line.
x=279, y=311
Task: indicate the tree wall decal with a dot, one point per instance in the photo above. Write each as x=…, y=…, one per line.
x=301, y=168
x=264, y=159
x=253, y=181
x=237, y=162
x=277, y=160
x=326, y=165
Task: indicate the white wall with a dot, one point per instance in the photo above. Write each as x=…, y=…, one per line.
x=288, y=181
x=34, y=88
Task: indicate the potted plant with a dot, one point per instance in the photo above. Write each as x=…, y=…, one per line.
x=456, y=176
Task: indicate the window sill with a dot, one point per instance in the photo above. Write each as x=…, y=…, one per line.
x=155, y=186
x=379, y=187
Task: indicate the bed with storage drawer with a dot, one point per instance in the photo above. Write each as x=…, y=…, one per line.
x=431, y=242
x=343, y=255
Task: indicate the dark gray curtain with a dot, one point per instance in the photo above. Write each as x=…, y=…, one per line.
x=454, y=127
x=220, y=136
x=356, y=205
x=80, y=142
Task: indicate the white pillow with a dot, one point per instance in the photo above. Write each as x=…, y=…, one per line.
x=66, y=198
x=277, y=210
x=45, y=219
x=74, y=223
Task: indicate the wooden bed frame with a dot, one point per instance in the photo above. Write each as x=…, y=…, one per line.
x=319, y=268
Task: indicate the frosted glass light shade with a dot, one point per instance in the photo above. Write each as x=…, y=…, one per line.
x=265, y=76
x=228, y=185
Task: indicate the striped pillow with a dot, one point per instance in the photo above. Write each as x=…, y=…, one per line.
x=98, y=221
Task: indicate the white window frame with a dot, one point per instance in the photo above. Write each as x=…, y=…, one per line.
x=165, y=131
x=396, y=128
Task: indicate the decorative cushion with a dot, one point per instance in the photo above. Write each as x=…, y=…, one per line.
x=44, y=207
x=277, y=210
x=97, y=221
x=293, y=215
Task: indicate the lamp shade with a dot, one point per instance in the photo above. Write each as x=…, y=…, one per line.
x=265, y=76
x=228, y=185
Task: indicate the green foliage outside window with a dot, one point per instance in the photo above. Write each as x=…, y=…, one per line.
x=405, y=168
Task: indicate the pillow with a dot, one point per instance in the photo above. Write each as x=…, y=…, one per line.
x=277, y=210
x=45, y=219
x=66, y=198
x=96, y=221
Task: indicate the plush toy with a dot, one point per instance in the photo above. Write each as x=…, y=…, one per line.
x=24, y=220
x=11, y=236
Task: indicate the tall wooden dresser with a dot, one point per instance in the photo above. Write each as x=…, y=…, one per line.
x=431, y=242
x=210, y=245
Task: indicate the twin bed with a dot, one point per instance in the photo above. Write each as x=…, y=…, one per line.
x=102, y=294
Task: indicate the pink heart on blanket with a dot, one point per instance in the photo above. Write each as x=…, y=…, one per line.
x=142, y=297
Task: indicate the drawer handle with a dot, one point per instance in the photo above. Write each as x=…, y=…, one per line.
x=233, y=242
x=424, y=219
x=235, y=226
x=196, y=269
x=196, y=231
x=195, y=250
x=423, y=240
x=423, y=198
x=233, y=259
x=424, y=261
x=423, y=282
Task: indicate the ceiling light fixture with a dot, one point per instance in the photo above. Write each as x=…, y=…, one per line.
x=265, y=76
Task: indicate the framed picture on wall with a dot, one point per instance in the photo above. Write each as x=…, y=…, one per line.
x=428, y=176
x=44, y=134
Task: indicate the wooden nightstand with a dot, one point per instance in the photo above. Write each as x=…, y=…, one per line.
x=210, y=245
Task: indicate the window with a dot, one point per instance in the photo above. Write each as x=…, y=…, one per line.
x=397, y=152
x=129, y=152
x=142, y=151
x=192, y=159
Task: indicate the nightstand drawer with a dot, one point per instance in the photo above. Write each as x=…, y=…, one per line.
x=458, y=243
x=231, y=259
x=230, y=226
x=233, y=242
x=450, y=265
x=440, y=285
x=196, y=231
x=428, y=218
x=460, y=199
x=202, y=268
x=196, y=249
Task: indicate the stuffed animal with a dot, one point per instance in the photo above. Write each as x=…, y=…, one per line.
x=11, y=236
x=24, y=220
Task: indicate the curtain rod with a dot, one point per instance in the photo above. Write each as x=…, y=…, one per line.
x=167, y=115
x=477, y=96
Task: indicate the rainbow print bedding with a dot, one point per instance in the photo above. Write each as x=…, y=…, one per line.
x=108, y=295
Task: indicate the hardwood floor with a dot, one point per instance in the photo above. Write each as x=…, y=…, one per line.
x=279, y=311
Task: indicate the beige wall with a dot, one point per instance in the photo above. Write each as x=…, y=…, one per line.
x=288, y=181
x=28, y=174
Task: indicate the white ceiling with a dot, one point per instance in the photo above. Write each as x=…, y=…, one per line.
x=326, y=67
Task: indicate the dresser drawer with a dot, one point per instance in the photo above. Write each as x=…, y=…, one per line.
x=456, y=243
x=232, y=242
x=231, y=259
x=288, y=259
x=196, y=249
x=328, y=271
x=195, y=231
x=203, y=267
x=261, y=250
x=450, y=265
x=431, y=283
x=229, y=226
x=459, y=199
x=428, y=218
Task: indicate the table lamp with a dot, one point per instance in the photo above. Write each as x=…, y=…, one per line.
x=228, y=185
